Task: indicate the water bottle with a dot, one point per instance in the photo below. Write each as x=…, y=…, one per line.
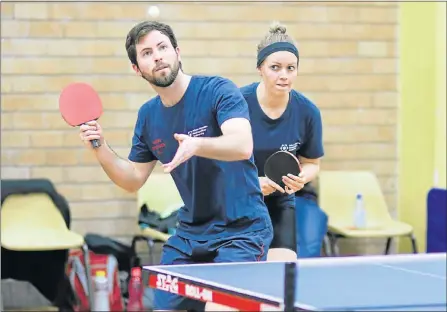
x=136, y=289
x=359, y=212
x=101, y=292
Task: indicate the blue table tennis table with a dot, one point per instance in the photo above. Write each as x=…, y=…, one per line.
x=415, y=282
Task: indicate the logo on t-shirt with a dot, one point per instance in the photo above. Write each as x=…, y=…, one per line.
x=198, y=132
x=290, y=147
x=158, y=146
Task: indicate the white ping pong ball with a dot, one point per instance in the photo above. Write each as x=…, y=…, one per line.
x=153, y=11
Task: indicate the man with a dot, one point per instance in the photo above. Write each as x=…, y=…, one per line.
x=198, y=128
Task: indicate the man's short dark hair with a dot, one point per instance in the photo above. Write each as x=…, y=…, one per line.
x=142, y=29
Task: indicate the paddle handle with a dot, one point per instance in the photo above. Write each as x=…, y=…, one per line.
x=95, y=143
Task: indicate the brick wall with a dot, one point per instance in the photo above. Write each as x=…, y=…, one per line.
x=349, y=68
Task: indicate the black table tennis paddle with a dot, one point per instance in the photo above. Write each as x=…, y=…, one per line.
x=281, y=164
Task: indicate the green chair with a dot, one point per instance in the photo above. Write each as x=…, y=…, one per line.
x=32, y=222
x=160, y=195
x=337, y=195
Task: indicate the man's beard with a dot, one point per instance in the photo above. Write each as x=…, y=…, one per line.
x=165, y=81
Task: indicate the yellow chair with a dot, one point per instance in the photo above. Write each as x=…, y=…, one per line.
x=159, y=194
x=337, y=192
x=32, y=222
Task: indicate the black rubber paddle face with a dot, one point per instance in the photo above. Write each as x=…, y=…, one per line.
x=280, y=164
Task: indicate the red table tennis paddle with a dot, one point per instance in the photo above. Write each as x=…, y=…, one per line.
x=280, y=164
x=79, y=103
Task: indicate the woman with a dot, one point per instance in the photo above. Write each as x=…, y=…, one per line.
x=284, y=119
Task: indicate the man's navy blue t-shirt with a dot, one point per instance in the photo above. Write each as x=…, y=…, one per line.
x=221, y=198
x=298, y=130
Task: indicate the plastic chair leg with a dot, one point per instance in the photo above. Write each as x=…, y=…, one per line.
x=413, y=243
x=327, y=246
x=388, y=245
x=335, y=251
x=150, y=245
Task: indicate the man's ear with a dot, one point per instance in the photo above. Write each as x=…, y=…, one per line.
x=177, y=50
x=136, y=70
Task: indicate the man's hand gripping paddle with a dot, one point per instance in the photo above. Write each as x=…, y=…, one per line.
x=79, y=103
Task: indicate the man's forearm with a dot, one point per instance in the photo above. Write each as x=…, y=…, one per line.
x=230, y=147
x=119, y=170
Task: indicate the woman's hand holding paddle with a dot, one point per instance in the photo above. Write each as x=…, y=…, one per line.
x=268, y=186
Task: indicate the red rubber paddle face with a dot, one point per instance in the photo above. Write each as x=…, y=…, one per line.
x=79, y=103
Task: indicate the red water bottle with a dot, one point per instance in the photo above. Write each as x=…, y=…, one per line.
x=136, y=290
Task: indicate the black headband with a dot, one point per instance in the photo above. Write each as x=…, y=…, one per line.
x=275, y=47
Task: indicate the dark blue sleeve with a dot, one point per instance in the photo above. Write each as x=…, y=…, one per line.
x=313, y=146
x=139, y=151
x=229, y=102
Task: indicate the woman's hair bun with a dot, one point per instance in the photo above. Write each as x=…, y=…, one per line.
x=277, y=28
